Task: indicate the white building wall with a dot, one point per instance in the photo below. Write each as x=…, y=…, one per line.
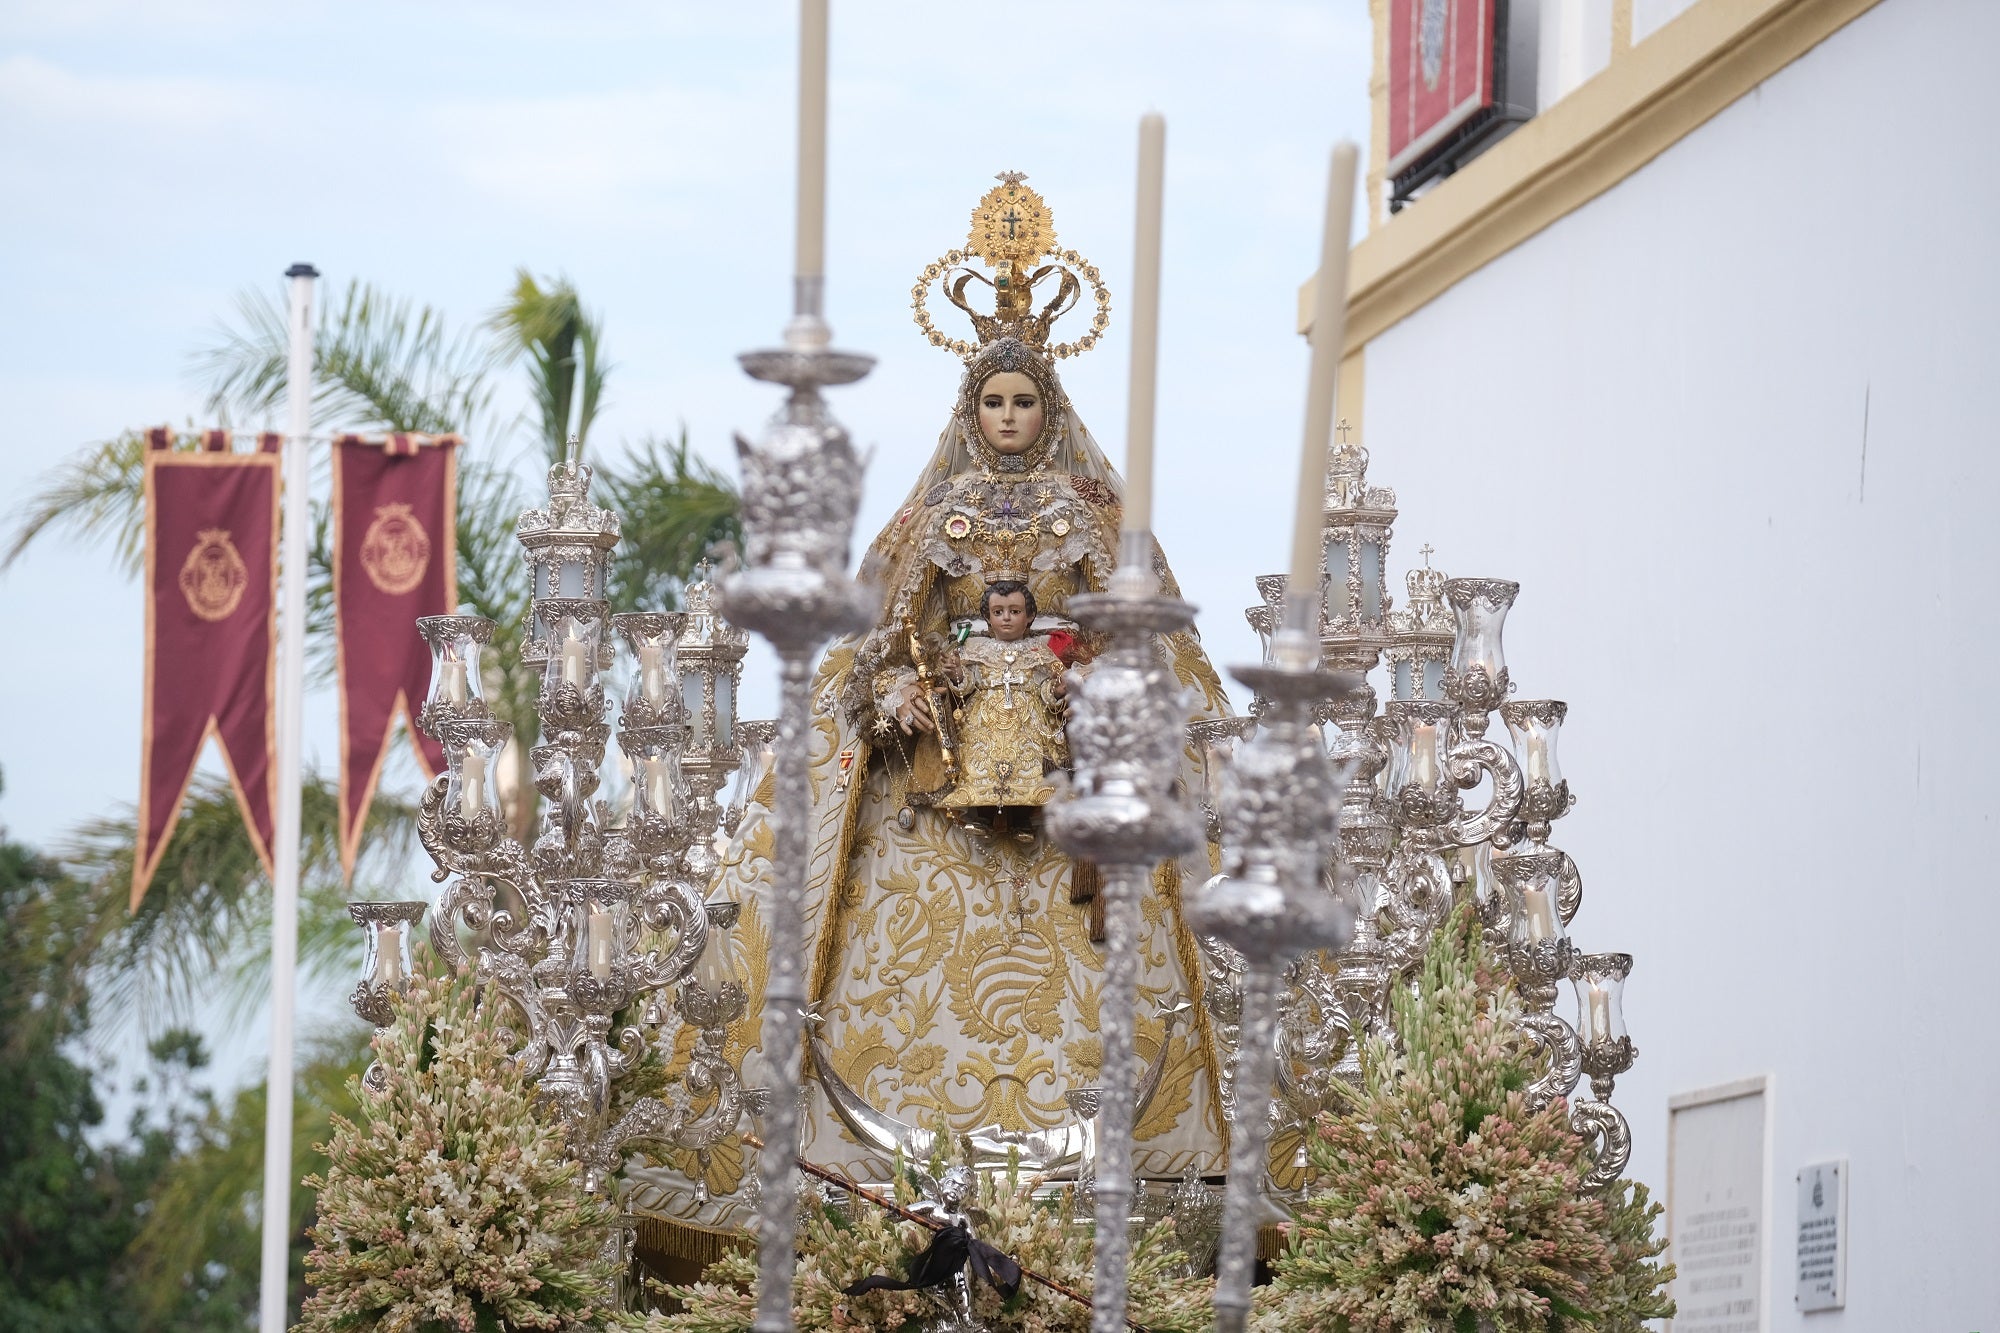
x=1733, y=427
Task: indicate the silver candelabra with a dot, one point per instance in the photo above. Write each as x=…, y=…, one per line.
x=1407, y=844
x=584, y=929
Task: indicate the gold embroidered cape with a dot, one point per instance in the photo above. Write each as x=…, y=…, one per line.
x=955, y=978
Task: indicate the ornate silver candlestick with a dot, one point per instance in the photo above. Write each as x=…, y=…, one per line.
x=1607, y=1052
x=801, y=488
x=1281, y=808
x=1127, y=814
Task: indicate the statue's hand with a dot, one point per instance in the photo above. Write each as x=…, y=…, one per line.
x=913, y=715
x=1060, y=688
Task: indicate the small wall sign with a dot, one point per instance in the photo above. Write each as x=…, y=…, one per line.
x=1822, y=1243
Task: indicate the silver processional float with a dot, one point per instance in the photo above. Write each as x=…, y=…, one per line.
x=1344, y=829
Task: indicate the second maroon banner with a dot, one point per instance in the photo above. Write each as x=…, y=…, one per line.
x=395, y=525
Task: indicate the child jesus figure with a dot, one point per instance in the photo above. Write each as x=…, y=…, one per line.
x=1010, y=724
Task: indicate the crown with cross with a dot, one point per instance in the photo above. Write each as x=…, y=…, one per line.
x=1012, y=233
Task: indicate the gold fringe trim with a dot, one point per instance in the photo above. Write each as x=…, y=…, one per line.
x=1167, y=883
x=1270, y=1244
x=687, y=1242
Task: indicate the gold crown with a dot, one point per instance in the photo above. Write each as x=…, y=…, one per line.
x=993, y=576
x=1012, y=228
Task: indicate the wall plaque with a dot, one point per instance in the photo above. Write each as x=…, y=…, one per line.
x=1716, y=1204
x=1822, y=1250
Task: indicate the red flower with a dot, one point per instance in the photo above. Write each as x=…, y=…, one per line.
x=1063, y=644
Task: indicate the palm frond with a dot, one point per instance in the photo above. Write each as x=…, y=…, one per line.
x=379, y=363
x=208, y=909
x=100, y=495
x=490, y=583
x=560, y=339
x=675, y=506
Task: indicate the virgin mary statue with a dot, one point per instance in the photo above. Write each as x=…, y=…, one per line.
x=954, y=970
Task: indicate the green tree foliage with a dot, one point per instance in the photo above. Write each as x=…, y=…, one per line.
x=71, y=1209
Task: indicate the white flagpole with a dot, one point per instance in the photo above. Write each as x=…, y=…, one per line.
x=275, y=1278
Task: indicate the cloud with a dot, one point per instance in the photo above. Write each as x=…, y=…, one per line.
x=642, y=155
x=38, y=97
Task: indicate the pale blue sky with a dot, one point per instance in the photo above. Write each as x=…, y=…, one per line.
x=157, y=158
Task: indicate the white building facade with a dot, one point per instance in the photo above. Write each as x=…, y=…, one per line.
x=1705, y=356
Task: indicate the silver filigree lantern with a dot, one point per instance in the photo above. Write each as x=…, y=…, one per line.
x=708, y=659
x=1358, y=517
x=568, y=546
x=1420, y=637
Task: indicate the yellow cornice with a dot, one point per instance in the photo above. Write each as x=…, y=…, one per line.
x=1647, y=99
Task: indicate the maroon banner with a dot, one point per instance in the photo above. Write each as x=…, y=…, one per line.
x=1440, y=72
x=395, y=526
x=211, y=613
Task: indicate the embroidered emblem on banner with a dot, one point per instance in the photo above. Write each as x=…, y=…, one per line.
x=1430, y=40
x=213, y=576
x=395, y=551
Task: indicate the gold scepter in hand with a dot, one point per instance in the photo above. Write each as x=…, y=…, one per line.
x=936, y=694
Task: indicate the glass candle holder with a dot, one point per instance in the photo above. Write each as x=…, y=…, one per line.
x=1600, y=996
x=1599, y=980
x=457, y=690
x=756, y=755
x=655, y=695
x=1538, y=947
x=1532, y=883
x=713, y=994
x=385, y=959
x=1477, y=677
x=658, y=792
x=472, y=795
x=575, y=634
x=1419, y=741
x=1534, y=725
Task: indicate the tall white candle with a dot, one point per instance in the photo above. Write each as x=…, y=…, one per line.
x=811, y=258
x=1328, y=331
x=452, y=682
x=1145, y=326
